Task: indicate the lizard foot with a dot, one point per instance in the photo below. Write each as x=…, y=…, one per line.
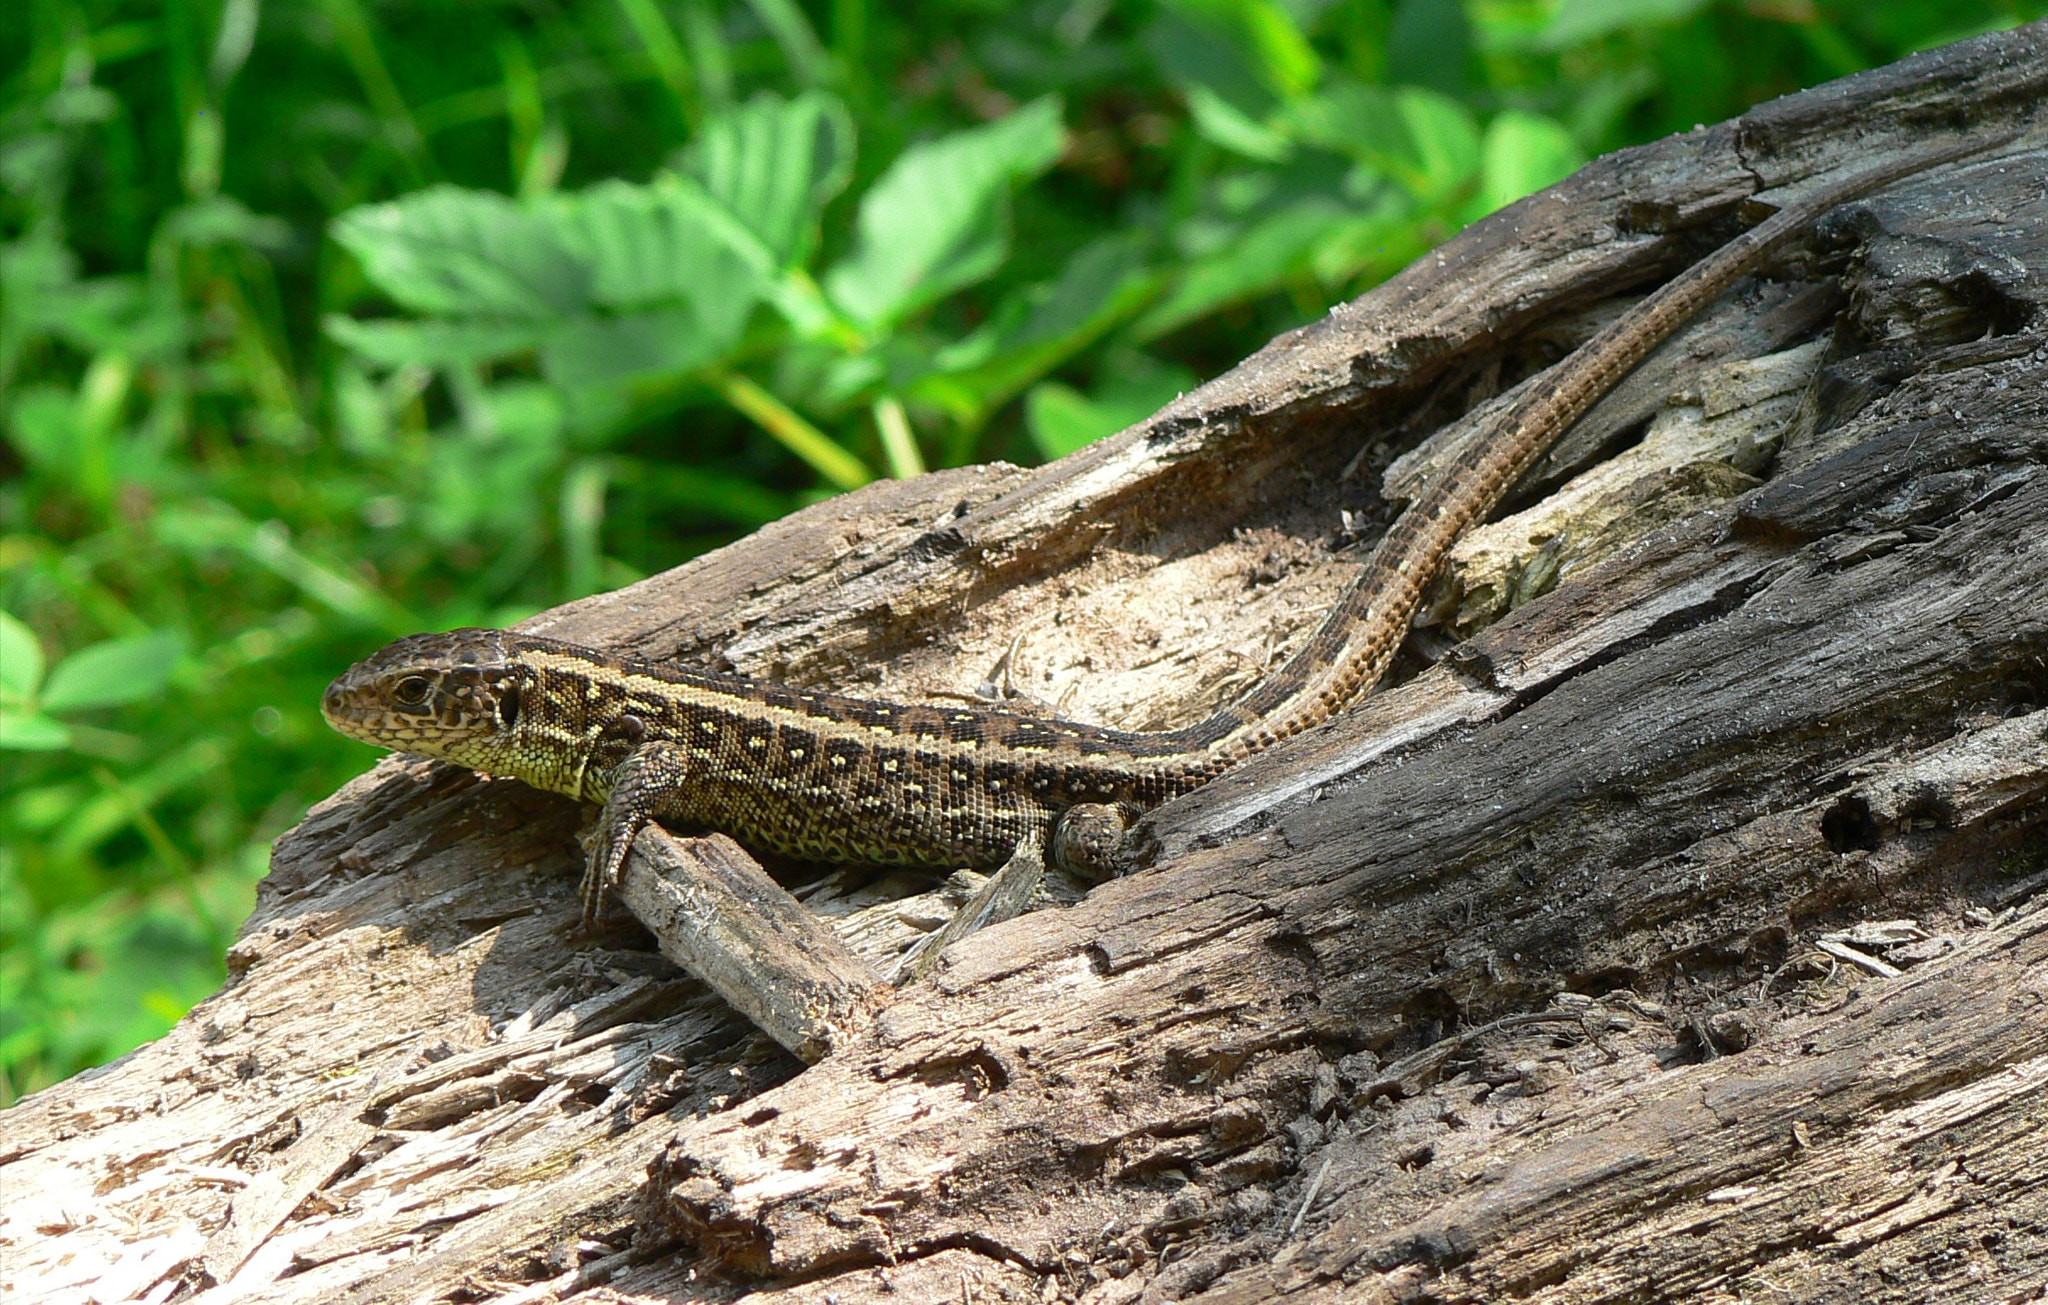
x=639, y=786
x=1088, y=839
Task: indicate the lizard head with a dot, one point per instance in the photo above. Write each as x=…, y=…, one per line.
x=456, y=696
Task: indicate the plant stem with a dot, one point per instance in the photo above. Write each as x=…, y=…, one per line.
x=666, y=53
x=835, y=464
x=899, y=443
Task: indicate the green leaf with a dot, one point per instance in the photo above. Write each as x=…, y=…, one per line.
x=1521, y=154
x=40, y=292
x=42, y=426
x=1262, y=258
x=1063, y=419
x=393, y=343
x=1223, y=123
x=1203, y=44
x=1579, y=21
x=1286, y=59
x=31, y=732
x=465, y=253
x=592, y=350
x=1361, y=122
x=616, y=282
x=937, y=219
x=21, y=660
x=1037, y=329
x=1444, y=141
x=111, y=674
x=495, y=473
x=222, y=220
x=1429, y=43
x=639, y=245
x=772, y=165
x=1427, y=142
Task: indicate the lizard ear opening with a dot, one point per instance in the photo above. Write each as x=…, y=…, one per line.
x=508, y=706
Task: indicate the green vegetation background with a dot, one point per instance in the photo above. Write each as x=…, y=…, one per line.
x=325, y=321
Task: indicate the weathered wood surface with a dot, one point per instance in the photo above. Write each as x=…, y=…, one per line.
x=1561, y=970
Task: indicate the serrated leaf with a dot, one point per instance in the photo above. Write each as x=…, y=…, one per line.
x=451, y=252
x=773, y=165
x=21, y=659
x=595, y=351
x=112, y=674
x=656, y=263
x=937, y=219
x=636, y=246
x=32, y=732
x=615, y=282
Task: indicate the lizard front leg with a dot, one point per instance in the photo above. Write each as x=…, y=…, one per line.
x=643, y=787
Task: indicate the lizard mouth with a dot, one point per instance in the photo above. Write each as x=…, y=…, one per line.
x=348, y=713
x=430, y=733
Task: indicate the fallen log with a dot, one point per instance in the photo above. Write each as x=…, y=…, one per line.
x=1679, y=932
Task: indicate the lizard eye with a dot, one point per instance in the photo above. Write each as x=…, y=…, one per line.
x=412, y=690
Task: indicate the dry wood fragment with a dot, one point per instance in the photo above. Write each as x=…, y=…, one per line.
x=713, y=911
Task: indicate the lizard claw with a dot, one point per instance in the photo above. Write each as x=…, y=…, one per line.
x=607, y=864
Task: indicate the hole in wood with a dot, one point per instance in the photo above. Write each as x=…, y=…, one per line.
x=1849, y=827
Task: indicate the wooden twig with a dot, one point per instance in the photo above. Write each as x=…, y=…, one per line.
x=716, y=913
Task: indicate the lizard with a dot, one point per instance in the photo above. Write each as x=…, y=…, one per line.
x=832, y=778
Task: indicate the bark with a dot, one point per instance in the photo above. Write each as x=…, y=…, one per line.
x=1678, y=935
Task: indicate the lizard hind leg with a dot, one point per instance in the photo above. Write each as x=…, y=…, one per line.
x=1087, y=840
x=642, y=787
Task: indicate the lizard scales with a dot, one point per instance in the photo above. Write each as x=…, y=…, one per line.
x=835, y=778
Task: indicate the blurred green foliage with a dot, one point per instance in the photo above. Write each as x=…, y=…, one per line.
x=324, y=321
